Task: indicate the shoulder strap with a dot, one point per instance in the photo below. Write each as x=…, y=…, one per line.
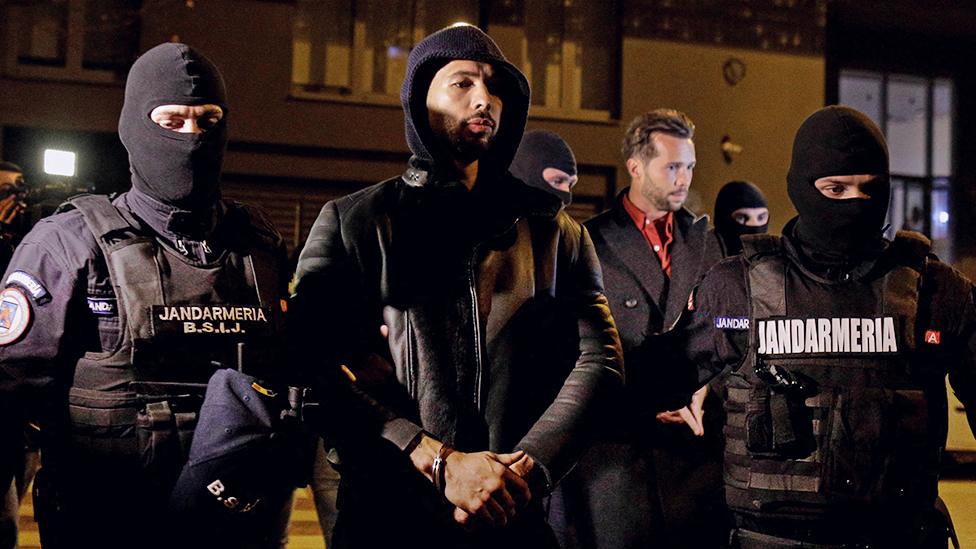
x=131, y=260
x=260, y=243
x=911, y=249
x=903, y=283
x=763, y=254
x=101, y=217
x=757, y=245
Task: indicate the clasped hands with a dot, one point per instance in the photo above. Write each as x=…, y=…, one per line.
x=487, y=489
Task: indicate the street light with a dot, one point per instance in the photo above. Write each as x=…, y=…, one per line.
x=59, y=162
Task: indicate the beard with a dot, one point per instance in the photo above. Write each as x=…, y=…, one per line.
x=661, y=199
x=462, y=144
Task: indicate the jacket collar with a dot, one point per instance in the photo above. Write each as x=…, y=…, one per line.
x=508, y=194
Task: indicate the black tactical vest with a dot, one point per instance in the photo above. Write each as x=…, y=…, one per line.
x=831, y=414
x=134, y=406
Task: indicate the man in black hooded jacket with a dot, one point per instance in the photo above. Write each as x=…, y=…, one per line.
x=837, y=343
x=113, y=315
x=455, y=324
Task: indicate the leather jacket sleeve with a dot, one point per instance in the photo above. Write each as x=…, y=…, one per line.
x=327, y=300
x=558, y=438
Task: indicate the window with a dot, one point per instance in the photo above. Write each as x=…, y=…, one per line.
x=88, y=40
x=916, y=115
x=357, y=49
x=568, y=49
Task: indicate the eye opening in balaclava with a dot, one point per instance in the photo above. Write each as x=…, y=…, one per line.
x=837, y=141
x=430, y=55
x=178, y=169
x=541, y=149
x=732, y=196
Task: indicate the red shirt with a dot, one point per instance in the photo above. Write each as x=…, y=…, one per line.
x=658, y=233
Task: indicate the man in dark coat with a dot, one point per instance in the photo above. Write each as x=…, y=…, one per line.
x=455, y=325
x=648, y=482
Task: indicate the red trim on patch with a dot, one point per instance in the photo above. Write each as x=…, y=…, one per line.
x=933, y=337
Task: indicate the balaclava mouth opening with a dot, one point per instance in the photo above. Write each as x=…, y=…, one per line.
x=837, y=141
x=429, y=56
x=541, y=149
x=732, y=196
x=181, y=170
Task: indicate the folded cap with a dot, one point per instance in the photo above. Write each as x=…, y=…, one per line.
x=244, y=458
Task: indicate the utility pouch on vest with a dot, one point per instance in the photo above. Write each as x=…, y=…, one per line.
x=866, y=427
x=164, y=427
x=101, y=421
x=778, y=422
x=759, y=425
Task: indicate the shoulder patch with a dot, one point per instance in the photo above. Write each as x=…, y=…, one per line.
x=27, y=282
x=15, y=315
x=740, y=323
x=103, y=306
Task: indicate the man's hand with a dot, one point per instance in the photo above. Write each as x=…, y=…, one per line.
x=10, y=208
x=480, y=485
x=483, y=487
x=522, y=468
x=690, y=415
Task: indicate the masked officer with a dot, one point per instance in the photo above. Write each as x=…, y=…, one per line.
x=114, y=315
x=545, y=161
x=838, y=342
x=740, y=209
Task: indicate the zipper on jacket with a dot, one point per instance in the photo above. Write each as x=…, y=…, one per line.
x=473, y=289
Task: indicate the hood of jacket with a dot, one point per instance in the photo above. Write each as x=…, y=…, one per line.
x=429, y=56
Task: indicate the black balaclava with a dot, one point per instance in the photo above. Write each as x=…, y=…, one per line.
x=732, y=196
x=179, y=170
x=429, y=56
x=838, y=140
x=541, y=149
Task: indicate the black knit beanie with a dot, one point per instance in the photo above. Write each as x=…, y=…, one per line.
x=541, y=149
x=430, y=55
x=732, y=196
x=838, y=140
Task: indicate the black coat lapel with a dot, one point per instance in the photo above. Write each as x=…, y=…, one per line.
x=687, y=252
x=630, y=247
